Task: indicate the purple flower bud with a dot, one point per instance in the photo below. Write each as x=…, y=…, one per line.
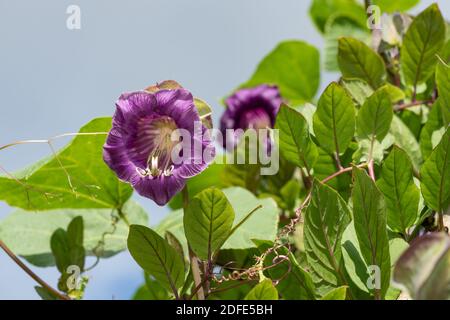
x=254, y=108
x=144, y=138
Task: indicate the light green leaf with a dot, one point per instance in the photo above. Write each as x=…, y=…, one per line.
x=264, y=290
x=357, y=60
x=326, y=218
x=435, y=176
x=294, y=67
x=99, y=225
x=397, y=5
x=156, y=257
x=358, y=89
x=424, y=38
x=334, y=120
x=337, y=26
x=46, y=184
x=336, y=294
x=262, y=224
x=400, y=192
x=151, y=290
x=208, y=222
x=438, y=118
x=295, y=143
x=374, y=118
x=443, y=84
x=405, y=139
x=423, y=269
x=369, y=214
x=322, y=10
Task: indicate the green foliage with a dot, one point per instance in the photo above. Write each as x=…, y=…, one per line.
x=362, y=191
x=295, y=143
x=156, y=257
x=326, y=218
x=334, y=120
x=424, y=38
x=105, y=234
x=435, y=174
x=369, y=214
x=264, y=290
x=399, y=190
x=357, y=60
x=294, y=67
x=208, y=222
x=76, y=178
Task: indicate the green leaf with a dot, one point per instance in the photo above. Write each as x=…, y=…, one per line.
x=326, y=218
x=358, y=89
x=263, y=224
x=294, y=67
x=423, y=269
x=59, y=244
x=443, y=84
x=325, y=166
x=336, y=294
x=400, y=192
x=438, y=118
x=393, y=6
x=424, y=38
x=151, y=290
x=265, y=290
x=435, y=176
x=208, y=222
x=47, y=184
x=104, y=234
x=336, y=27
x=322, y=10
x=405, y=139
x=44, y=293
x=295, y=142
x=374, y=118
x=334, y=120
x=369, y=214
x=295, y=283
x=210, y=177
x=156, y=257
x=357, y=60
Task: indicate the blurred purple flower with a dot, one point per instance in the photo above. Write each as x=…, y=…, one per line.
x=254, y=108
x=141, y=144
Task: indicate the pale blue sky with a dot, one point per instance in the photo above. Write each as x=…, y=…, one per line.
x=53, y=80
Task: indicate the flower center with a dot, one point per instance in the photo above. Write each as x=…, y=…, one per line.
x=255, y=119
x=158, y=138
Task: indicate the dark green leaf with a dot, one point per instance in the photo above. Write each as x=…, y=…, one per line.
x=435, y=176
x=326, y=218
x=424, y=38
x=357, y=60
x=334, y=120
x=375, y=116
x=156, y=257
x=369, y=214
x=208, y=222
x=400, y=192
x=295, y=143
